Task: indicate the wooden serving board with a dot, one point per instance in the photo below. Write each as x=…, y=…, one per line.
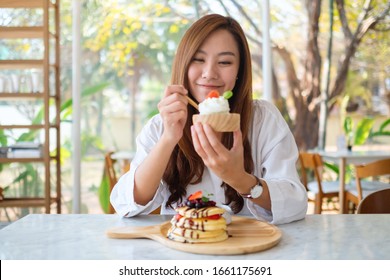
x=245, y=236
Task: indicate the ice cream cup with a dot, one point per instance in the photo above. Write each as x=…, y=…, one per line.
x=221, y=122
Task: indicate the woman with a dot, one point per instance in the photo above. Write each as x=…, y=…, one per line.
x=251, y=170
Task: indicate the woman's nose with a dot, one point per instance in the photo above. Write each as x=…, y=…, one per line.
x=209, y=72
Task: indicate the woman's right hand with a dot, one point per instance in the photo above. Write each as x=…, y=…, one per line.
x=173, y=110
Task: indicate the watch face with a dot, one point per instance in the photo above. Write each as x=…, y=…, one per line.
x=256, y=191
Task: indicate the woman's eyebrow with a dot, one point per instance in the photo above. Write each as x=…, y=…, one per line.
x=219, y=54
x=227, y=53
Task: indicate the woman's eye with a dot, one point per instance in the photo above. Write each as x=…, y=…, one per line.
x=225, y=62
x=196, y=59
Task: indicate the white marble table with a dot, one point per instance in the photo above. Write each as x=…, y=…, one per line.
x=56, y=236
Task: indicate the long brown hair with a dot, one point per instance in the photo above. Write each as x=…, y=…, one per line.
x=185, y=166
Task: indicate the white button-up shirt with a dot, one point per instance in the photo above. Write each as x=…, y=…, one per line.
x=274, y=153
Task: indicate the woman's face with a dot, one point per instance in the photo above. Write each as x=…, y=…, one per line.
x=214, y=65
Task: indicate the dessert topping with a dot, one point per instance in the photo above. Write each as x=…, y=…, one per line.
x=197, y=201
x=213, y=94
x=214, y=104
x=227, y=94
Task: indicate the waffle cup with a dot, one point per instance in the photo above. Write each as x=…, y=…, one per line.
x=222, y=122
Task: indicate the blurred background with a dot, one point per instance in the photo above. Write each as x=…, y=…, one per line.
x=330, y=62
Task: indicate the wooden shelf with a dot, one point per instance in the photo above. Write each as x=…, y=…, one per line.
x=50, y=65
x=24, y=32
x=22, y=126
x=25, y=96
x=21, y=160
x=25, y=160
x=24, y=202
x=28, y=4
x=31, y=95
x=21, y=32
x=21, y=64
x=27, y=126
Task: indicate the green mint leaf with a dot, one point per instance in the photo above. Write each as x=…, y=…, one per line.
x=227, y=94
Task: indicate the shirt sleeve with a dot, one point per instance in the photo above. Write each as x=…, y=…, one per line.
x=275, y=155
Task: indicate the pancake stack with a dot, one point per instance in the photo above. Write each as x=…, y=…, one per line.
x=198, y=220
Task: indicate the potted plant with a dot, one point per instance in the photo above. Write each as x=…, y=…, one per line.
x=359, y=135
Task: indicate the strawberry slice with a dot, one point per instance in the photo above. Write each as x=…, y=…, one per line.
x=214, y=217
x=213, y=94
x=195, y=195
x=178, y=217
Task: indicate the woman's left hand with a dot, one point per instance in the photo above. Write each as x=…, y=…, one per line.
x=226, y=164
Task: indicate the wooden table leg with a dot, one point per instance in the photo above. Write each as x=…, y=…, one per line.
x=342, y=164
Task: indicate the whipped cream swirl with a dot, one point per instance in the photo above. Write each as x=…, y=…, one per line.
x=214, y=105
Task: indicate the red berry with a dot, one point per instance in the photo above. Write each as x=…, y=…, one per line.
x=195, y=195
x=178, y=217
x=214, y=217
x=213, y=94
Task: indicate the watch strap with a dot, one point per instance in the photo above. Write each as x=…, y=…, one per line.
x=249, y=195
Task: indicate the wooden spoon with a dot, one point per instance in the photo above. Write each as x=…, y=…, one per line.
x=192, y=102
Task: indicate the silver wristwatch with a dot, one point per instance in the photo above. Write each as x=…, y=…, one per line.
x=255, y=192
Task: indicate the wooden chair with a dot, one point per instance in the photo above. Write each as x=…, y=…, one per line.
x=375, y=203
x=364, y=187
x=109, y=167
x=320, y=189
x=113, y=178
